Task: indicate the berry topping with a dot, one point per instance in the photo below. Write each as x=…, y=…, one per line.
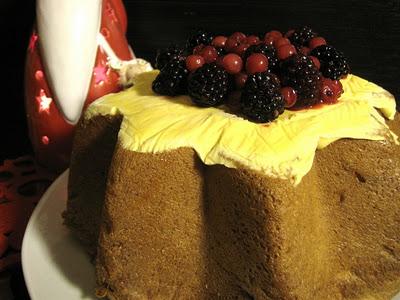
x=209, y=85
x=199, y=37
x=209, y=53
x=333, y=63
x=252, y=40
x=289, y=96
x=301, y=36
x=256, y=62
x=197, y=50
x=261, y=100
x=193, y=62
x=268, y=50
x=172, y=79
x=269, y=41
x=316, y=41
x=232, y=63
x=300, y=73
x=289, y=33
x=240, y=80
x=211, y=68
x=238, y=36
x=163, y=57
x=219, y=61
x=316, y=62
x=330, y=90
x=304, y=50
x=273, y=34
x=221, y=51
x=230, y=44
x=240, y=49
x=219, y=41
x=337, y=87
x=285, y=51
x=281, y=41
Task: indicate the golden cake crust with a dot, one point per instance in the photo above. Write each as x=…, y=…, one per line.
x=174, y=228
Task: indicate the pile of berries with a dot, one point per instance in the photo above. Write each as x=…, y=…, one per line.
x=293, y=70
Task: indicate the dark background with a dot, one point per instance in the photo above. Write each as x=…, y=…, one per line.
x=368, y=32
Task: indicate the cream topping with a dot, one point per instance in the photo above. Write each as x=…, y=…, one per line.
x=284, y=148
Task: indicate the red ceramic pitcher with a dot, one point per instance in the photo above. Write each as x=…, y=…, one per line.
x=67, y=67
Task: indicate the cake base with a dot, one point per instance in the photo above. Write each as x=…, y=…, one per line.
x=171, y=227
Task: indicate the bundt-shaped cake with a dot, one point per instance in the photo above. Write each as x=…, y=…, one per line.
x=180, y=202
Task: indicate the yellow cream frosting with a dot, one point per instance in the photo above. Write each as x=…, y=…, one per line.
x=284, y=148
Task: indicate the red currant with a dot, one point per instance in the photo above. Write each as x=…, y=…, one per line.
x=289, y=96
x=281, y=41
x=316, y=62
x=232, y=63
x=209, y=53
x=337, y=87
x=230, y=44
x=252, y=40
x=285, y=51
x=219, y=41
x=256, y=62
x=305, y=50
x=197, y=50
x=240, y=49
x=274, y=34
x=329, y=91
x=269, y=40
x=315, y=42
x=238, y=36
x=240, y=80
x=193, y=62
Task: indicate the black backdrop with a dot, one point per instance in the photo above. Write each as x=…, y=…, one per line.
x=367, y=31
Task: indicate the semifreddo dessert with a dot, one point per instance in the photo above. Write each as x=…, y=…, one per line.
x=276, y=180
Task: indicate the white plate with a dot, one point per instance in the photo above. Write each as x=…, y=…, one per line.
x=55, y=266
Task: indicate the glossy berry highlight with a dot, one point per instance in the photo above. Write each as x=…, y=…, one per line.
x=255, y=63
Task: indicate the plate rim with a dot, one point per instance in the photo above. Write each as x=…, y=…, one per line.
x=24, y=251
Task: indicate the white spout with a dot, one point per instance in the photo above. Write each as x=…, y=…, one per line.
x=67, y=32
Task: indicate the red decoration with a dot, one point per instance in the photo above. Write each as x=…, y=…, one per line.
x=39, y=75
x=45, y=140
x=32, y=41
x=111, y=13
x=100, y=73
x=22, y=184
x=43, y=102
x=44, y=118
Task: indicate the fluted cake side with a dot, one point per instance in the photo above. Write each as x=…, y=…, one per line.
x=172, y=227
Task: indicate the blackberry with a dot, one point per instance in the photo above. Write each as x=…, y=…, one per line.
x=301, y=36
x=199, y=37
x=334, y=64
x=164, y=56
x=220, y=51
x=268, y=51
x=209, y=85
x=172, y=79
x=261, y=100
x=299, y=72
